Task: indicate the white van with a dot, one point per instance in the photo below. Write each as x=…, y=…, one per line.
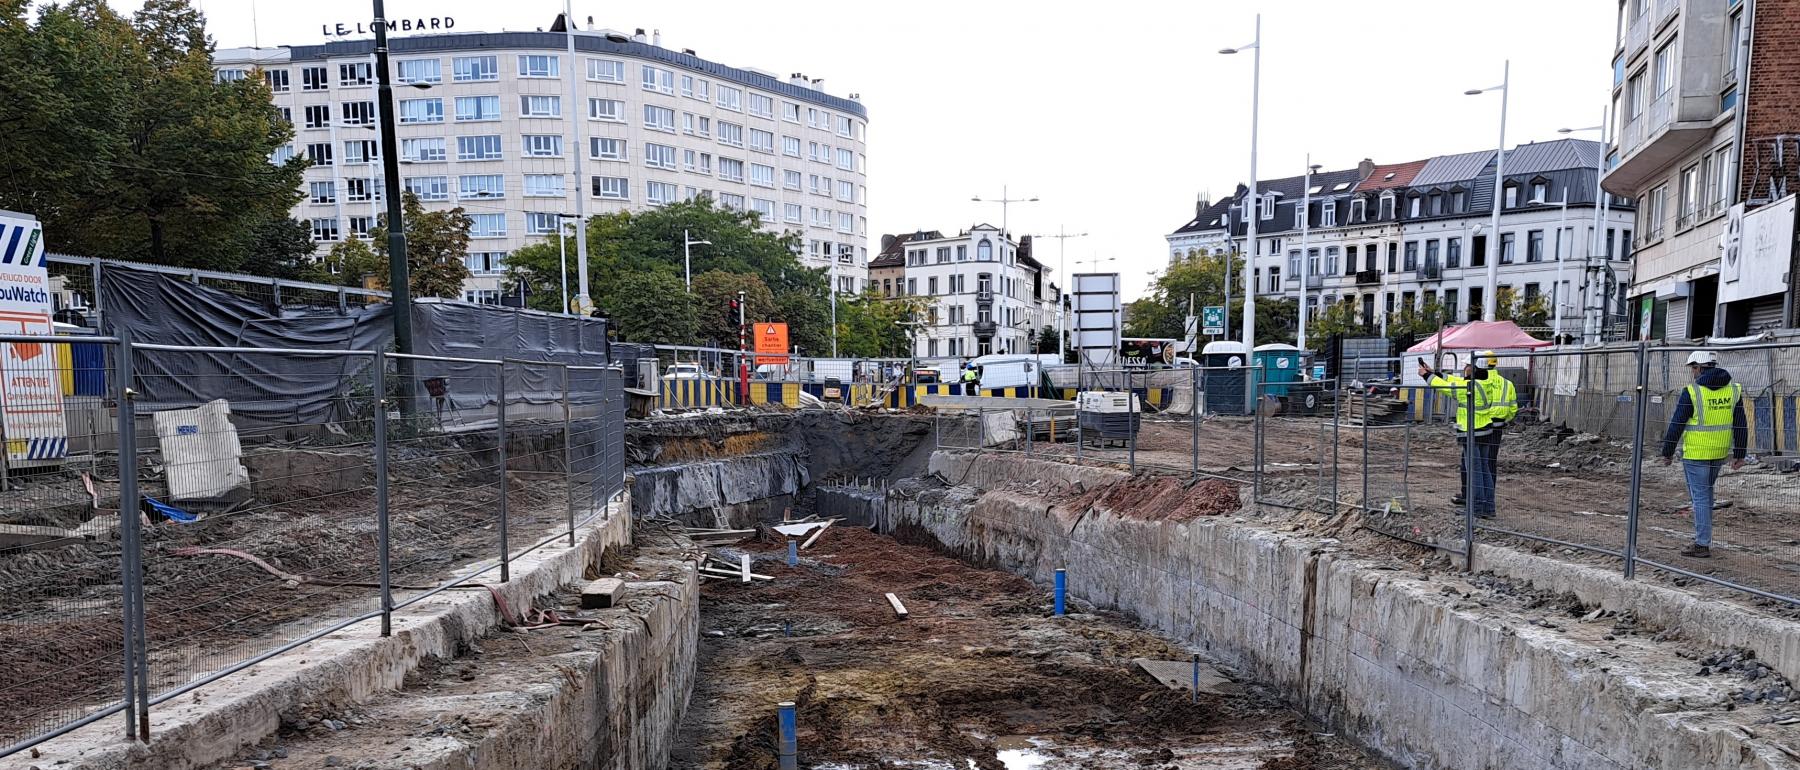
x=1012, y=370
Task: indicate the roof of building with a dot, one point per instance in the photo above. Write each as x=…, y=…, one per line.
x=1390, y=175
x=1446, y=169
x=590, y=41
x=1555, y=155
x=896, y=248
x=1211, y=218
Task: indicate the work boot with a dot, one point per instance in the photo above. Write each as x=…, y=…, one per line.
x=1697, y=551
x=1456, y=499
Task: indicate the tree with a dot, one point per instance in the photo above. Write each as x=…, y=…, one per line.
x=653, y=307
x=1337, y=318
x=808, y=316
x=1528, y=312
x=437, y=243
x=1163, y=314
x=120, y=138
x=283, y=248
x=869, y=324
x=355, y=263
x=1047, y=339
x=714, y=291
x=1415, y=324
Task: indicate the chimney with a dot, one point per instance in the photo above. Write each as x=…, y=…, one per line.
x=1200, y=204
x=639, y=35
x=656, y=38
x=689, y=51
x=818, y=84
x=796, y=79
x=590, y=26
x=887, y=242
x=1364, y=168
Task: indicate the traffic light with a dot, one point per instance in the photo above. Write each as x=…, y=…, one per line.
x=731, y=313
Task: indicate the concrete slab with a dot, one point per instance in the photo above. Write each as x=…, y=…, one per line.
x=1179, y=675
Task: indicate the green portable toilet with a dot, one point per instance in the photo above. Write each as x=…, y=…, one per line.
x=1282, y=365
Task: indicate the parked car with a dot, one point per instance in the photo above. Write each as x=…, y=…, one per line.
x=686, y=372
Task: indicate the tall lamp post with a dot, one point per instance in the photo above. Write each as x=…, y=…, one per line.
x=1556, y=293
x=1062, y=237
x=1253, y=213
x=1004, y=202
x=1305, y=253
x=1590, y=330
x=399, y=282
x=562, y=257
x=1491, y=301
x=687, y=258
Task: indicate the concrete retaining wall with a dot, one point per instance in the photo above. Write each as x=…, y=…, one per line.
x=1381, y=655
x=718, y=487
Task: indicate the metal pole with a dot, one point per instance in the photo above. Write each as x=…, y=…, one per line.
x=1256, y=449
x=569, y=454
x=1491, y=298
x=1252, y=215
x=1633, y=507
x=582, y=302
x=1469, y=461
x=1365, y=451
x=1556, y=295
x=382, y=541
x=687, y=261
x=562, y=263
x=1336, y=421
x=500, y=453
x=1594, y=248
x=130, y=575
x=1305, y=255
x=1194, y=422
x=1132, y=410
x=398, y=281
x=789, y=745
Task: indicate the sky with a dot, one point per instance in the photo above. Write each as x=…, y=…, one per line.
x=1114, y=116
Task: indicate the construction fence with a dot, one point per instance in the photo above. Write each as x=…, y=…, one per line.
x=258, y=520
x=1583, y=473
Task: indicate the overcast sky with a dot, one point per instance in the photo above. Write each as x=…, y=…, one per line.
x=1115, y=114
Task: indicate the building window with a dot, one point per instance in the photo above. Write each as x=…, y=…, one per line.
x=762, y=141
x=731, y=201
x=1663, y=69
x=846, y=159
x=486, y=147
x=325, y=229
x=531, y=106
x=731, y=169
x=1328, y=214
x=1512, y=196
x=731, y=134
x=844, y=126
x=1387, y=206
x=793, y=212
x=1635, y=96
x=319, y=154
x=611, y=110
x=659, y=118
x=1412, y=206
x=541, y=146
x=358, y=113
x=730, y=98
x=480, y=186
x=659, y=80
x=659, y=156
x=421, y=110
x=471, y=108
x=1457, y=201
x=611, y=188
x=487, y=225
x=1267, y=206
x=468, y=69
x=931, y=285
x=605, y=71
x=360, y=226
x=1358, y=209
x=1274, y=279
x=790, y=179
x=419, y=71
x=1540, y=191
x=485, y=263
x=1725, y=189
x=429, y=188
x=762, y=106
x=318, y=115
x=355, y=74
x=322, y=192
x=762, y=176
x=277, y=80
x=1412, y=256
x=1453, y=252
x=790, y=146
x=539, y=66
x=314, y=79
x=846, y=191
x=1506, y=248
x=696, y=125
x=1393, y=265
x=1689, y=200
x=600, y=148
x=697, y=88
x=361, y=151
x=1431, y=255
x=359, y=190
x=765, y=208
x=540, y=223
x=1534, y=246
x=790, y=112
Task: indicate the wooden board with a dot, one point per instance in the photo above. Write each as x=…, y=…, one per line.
x=1179, y=675
x=899, y=609
x=815, y=535
x=603, y=593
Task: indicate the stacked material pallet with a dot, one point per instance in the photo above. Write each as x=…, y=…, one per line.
x=1381, y=408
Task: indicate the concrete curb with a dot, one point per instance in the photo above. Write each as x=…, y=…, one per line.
x=213, y=723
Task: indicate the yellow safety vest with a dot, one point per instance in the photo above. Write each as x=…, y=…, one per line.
x=1456, y=387
x=1708, y=432
x=1502, y=398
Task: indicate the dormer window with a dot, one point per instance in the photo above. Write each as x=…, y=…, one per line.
x=1268, y=206
x=1299, y=217
x=1328, y=214
x=1413, y=203
x=1387, y=205
x=1458, y=201
x=1540, y=191
x=1358, y=210
x=1512, y=196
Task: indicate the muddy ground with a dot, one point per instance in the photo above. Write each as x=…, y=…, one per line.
x=980, y=675
x=1553, y=483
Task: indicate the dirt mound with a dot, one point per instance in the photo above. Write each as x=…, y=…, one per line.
x=1161, y=498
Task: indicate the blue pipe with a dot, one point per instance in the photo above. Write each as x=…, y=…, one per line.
x=793, y=554
x=1062, y=589
x=789, y=748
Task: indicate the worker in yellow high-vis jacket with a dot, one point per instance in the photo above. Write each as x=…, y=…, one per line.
x=1502, y=407
x=1474, y=422
x=1710, y=422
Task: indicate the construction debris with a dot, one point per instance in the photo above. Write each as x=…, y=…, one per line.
x=602, y=594
x=899, y=609
x=816, y=535
x=1179, y=675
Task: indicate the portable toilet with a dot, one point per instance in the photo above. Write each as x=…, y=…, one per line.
x=1281, y=365
x=1223, y=377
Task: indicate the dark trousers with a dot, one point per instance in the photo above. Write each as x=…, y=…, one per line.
x=1486, y=465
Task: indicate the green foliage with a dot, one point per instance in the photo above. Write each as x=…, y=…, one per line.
x=1163, y=314
x=1420, y=323
x=436, y=243
x=654, y=307
x=283, y=248
x=869, y=324
x=714, y=290
x=117, y=136
x=356, y=263
x=1337, y=318
x=1527, y=312
x=808, y=316
x=1046, y=340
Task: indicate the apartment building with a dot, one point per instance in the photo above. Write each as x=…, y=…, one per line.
x=1388, y=237
x=987, y=293
x=511, y=128
x=1207, y=234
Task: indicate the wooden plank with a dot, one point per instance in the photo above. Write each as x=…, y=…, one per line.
x=27, y=537
x=815, y=535
x=744, y=566
x=602, y=593
x=899, y=609
x=732, y=573
x=1179, y=675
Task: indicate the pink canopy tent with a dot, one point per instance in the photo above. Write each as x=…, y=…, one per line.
x=1481, y=335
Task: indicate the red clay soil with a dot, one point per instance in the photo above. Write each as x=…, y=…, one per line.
x=1160, y=498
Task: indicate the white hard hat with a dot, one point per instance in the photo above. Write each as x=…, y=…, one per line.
x=1702, y=358
x=1487, y=359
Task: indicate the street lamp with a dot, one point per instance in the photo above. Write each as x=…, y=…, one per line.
x=1556, y=297
x=1062, y=263
x=1004, y=203
x=1254, y=213
x=1600, y=206
x=687, y=258
x=1493, y=262
x=1305, y=254
x=562, y=258
x=583, y=303
x=1095, y=262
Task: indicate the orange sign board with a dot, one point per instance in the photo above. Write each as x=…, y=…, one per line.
x=771, y=343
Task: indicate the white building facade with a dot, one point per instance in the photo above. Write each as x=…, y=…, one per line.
x=497, y=123
x=986, y=296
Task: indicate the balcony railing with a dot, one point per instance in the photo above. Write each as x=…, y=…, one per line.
x=984, y=295
x=1430, y=272
x=1365, y=277
x=1312, y=281
x=985, y=328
